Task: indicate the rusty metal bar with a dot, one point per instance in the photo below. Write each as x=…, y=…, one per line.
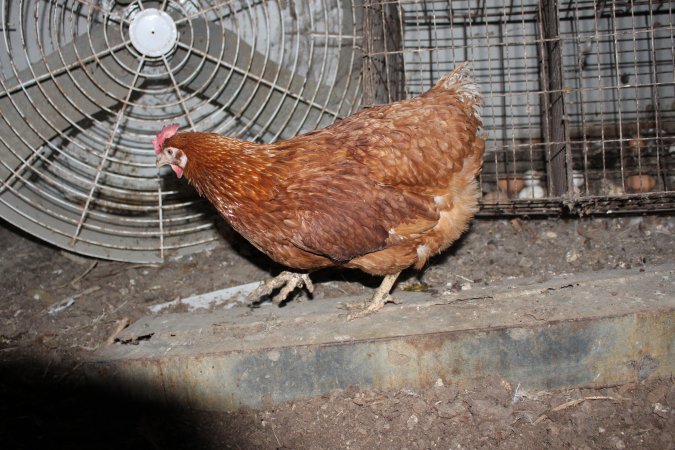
x=383, y=71
x=627, y=204
x=554, y=109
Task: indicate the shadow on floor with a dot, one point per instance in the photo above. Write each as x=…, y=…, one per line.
x=40, y=410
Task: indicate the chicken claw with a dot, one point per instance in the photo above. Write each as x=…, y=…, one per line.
x=287, y=281
x=380, y=297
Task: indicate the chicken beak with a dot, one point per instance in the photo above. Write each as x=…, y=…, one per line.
x=163, y=160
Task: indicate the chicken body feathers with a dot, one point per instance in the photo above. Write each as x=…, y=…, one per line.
x=381, y=190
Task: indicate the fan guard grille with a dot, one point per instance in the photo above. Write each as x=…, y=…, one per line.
x=85, y=85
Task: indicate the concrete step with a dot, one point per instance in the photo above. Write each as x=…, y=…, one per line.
x=590, y=329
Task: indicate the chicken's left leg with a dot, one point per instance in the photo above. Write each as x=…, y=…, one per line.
x=287, y=281
x=380, y=297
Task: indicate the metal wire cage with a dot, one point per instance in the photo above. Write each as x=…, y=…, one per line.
x=579, y=107
x=86, y=84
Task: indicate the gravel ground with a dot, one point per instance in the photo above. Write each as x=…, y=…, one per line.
x=59, y=307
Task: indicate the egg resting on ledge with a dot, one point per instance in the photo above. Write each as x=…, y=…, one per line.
x=381, y=190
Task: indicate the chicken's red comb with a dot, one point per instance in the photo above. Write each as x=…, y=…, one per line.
x=166, y=133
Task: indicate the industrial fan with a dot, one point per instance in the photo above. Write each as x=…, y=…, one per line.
x=86, y=84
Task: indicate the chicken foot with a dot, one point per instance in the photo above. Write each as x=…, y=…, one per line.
x=380, y=297
x=287, y=281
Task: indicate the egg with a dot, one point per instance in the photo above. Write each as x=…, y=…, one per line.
x=533, y=188
x=640, y=183
x=510, y=185
x=578, y=181
x=637, y=144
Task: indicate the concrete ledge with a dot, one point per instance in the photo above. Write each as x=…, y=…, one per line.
x=593, y=329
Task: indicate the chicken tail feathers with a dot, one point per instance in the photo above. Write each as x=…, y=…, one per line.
x=461, y=82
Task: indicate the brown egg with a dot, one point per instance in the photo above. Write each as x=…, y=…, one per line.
x=493, y=198
x=640, y=183
x=510, y=185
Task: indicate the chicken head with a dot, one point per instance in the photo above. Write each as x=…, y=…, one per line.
x=174, y=157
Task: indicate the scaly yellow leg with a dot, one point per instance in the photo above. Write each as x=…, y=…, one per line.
x=287, y=281
x=380, y=297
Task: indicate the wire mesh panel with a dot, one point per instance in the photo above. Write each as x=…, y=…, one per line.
x=618, y=65
x=85, y=85
x=579, y=95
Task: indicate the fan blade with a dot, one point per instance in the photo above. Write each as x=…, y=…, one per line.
x=60, y=117
x=258, y=89
x=55, y=94
x=61, y=92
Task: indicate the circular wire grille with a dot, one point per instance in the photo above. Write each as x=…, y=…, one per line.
x=86, y=84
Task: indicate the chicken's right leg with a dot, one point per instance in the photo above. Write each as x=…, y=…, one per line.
x=380, y=297
x=287, y=281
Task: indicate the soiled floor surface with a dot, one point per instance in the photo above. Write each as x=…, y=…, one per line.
x=43, y=343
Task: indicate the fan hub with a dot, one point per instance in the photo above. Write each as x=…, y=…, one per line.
x=153, y=33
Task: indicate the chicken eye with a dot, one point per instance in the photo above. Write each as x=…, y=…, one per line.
x=169, y=151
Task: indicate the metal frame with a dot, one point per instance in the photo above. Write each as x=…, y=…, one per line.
x=579, y=91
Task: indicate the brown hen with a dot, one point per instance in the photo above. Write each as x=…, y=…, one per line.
x=380, y=191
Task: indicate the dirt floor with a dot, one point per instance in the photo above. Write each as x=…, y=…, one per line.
x=57, y=308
